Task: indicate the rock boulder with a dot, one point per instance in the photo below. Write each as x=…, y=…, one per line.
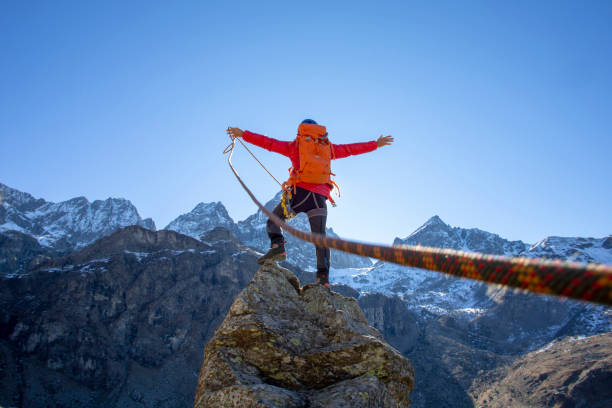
x=282, y=345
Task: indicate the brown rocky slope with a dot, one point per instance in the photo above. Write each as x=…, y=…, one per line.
x=120, y=323
x=573, y=372
x=282, y=345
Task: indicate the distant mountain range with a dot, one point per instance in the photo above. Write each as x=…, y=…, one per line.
x=34, y=228
x=69, y=224
x=75, y=223
x=433, y=291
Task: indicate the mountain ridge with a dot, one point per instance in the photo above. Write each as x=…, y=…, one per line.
x=77, y=222
x=69, y=224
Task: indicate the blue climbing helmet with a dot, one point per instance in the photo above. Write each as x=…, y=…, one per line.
x=309, y=121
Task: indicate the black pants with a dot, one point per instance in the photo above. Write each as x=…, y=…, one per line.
x=315, y=207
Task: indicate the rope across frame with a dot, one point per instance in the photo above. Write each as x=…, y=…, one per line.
x=588, y=282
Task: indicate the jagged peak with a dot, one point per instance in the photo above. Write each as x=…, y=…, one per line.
x=7, y=192
x=560, y=242
x=434, y=222
x=205, y=208
x=111, y=203
x=202, y=218
x=116, y=200
x=77, y=200
x=16, y=196
x=4, y=189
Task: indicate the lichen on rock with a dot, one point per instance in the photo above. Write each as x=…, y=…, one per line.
x=282, y=345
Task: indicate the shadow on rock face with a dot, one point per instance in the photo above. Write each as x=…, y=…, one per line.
x=291, y=346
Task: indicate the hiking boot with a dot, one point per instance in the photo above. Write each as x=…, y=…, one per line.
x=276, y=253
x=322, y=278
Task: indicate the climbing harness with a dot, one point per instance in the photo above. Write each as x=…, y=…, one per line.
x=286, y=204
x=589, y=282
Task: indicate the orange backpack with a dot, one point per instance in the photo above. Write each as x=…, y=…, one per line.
x=315, y=157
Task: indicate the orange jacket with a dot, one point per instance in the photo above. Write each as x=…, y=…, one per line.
x=290, y=150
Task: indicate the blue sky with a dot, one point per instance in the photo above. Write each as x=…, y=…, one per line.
x=501, y=111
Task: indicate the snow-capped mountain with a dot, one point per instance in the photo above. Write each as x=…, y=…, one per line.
x=203, y=218
x=69, y=224
x=436, y=233
x=426, y=288
x=574, y=249
x=440, y=294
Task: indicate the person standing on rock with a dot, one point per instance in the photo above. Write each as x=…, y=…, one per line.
x=309, y=185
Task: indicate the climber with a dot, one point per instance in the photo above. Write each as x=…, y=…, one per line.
x=309, y=185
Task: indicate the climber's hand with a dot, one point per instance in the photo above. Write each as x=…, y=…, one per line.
x=234, y=132
x=384, y=140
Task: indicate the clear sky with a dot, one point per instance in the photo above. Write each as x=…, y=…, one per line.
x=501, y=111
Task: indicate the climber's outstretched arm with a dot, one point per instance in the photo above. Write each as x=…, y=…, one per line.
x=268, y=143
x=344, y=150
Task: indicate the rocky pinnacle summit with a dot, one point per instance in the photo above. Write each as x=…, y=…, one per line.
x=282, y=345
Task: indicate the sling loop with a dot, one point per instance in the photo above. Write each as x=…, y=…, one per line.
x=286, y=195
x=231, y=146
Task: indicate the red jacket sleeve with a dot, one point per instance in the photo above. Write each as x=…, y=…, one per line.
x=344, y=150
x=267, y=143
